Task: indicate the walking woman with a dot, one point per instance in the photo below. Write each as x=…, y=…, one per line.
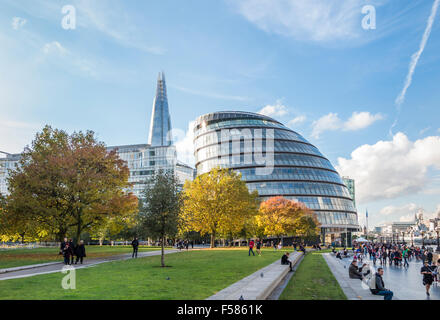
x=427, y=277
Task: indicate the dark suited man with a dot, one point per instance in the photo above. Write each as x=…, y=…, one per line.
x=80, y=252
x=135, y=245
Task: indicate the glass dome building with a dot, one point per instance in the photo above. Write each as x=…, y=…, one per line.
x=294, y=168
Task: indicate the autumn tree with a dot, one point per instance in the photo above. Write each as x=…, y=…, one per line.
x=69, y=182
x=279, y=216
x=160, y=207
x=218, y=203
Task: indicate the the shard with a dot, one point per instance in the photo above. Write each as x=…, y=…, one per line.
x=160, y=126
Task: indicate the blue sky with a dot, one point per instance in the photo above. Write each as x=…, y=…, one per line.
x=309, y=64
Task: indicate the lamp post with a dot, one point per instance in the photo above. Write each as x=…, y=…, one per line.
x=438, y=238
x=346, y=230
x=423, y=238
x=403, y=237
x=412, y=237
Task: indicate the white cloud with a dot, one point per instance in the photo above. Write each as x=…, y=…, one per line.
x=66, y=59
x=424, y=130
x=399, y=210
x=297, y=120
x=184, y=142
x=18, y=22
x=361, y=120
x=390, y=169
x=332, y=122
x=328, y=122
x=115, y=24
x=55, y=47
x=276, y=110
x=320, y=21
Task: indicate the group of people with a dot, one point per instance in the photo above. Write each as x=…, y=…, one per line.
x=69, y=251
x=180, y=244
x=395, y=254
x=257, y=245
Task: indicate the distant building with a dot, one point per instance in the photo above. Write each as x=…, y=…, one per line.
x=142, y=159
x=7, y=162
x=351, y=188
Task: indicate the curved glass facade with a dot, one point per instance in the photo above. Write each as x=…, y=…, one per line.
x=299, y=171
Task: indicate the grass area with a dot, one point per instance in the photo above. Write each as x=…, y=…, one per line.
x=22, y=257
x=313, y=280
x=192, y=275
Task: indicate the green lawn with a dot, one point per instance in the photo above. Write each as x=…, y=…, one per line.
x=192, y=275
x=22, y=257
x=313, y=280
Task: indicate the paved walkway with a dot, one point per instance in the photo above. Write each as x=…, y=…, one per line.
x=354, y=289
x=34, y=270
x=406, y=283
x=260, y=284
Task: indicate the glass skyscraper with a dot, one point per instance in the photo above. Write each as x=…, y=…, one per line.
x=299, y=171
x=159, y=154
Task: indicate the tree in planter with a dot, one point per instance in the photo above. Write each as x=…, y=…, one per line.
x=69, y=183
x=218, y=203
x=160, y=208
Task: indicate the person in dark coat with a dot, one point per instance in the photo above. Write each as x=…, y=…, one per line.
x=63, y=244
x=80, y=252
x=135, y=245
x=285, y=260
x=354, y=272
x=379, y=286
x=67, y=253
x=72, y=246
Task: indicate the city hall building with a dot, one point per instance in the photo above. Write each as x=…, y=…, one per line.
x=276, y=161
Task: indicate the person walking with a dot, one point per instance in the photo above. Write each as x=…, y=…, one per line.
x=378, y=286
x=135, y=245
x=251, y=248
x=405, y=257
x=429, y=257
x=80, y=252
x=259, y=247
x=72, y=246
x=67, y=253
x=62, y=246
x=428, y=278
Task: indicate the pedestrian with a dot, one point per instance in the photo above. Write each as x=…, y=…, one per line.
x=429, y=257
x=72, y=246
x=251, y=248
x=62, y=245
x=67, y=253
x=259, y=247
x=135, y=245
x=427, y=277
x=377, y=286
x=80, y=252
x=405, y=257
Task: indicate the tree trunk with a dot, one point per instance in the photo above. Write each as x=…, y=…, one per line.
x=212, y=240
x=78, y=234
x=162, y=258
